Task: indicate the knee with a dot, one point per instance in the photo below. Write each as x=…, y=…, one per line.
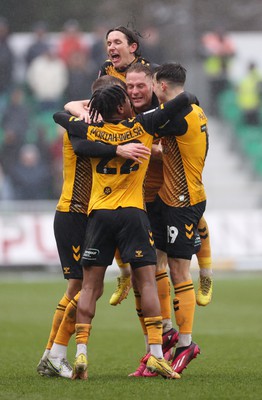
x=179, y=271
x=94, y=292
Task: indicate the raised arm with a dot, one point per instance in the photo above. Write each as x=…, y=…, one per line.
x=79, y=108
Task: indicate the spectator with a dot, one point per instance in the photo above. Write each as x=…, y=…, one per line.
x=30, y=175
x=152, y=48
x=217, y=50
x=16, y=115
x=81, y=74
x=249, y=95
x=41, y=140
x=9, y=150
x=47, y=78
x=72, y=41
x=6, y=189
x=40, y=42
x=6, y=63
x=98, y=49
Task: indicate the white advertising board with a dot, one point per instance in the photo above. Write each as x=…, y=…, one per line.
x=27, y=239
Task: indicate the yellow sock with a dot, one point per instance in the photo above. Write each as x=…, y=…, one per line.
x=139, y=311
x=82, y=333
x=204, y=254
x=57, y=319
x=67, y=326
x=184, y=306
x=163, y=289
x=154, y=329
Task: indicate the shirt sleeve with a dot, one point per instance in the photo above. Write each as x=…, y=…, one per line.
x=62, y=118
x=77, y=131
x=164, y=120
x=102, y=70
x=88, y=148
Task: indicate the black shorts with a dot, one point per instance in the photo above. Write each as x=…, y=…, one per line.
x=69, y=230
x=175, y=229
x=127, y=229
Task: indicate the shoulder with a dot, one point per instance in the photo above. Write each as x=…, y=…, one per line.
x=104, y=67
x=106, y=63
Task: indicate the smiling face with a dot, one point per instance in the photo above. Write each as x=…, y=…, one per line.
x=119, y=51
x=140, y=90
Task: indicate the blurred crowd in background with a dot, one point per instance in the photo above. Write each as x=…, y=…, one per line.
x=61, y=70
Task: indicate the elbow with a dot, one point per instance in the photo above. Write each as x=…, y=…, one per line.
x=77, y=150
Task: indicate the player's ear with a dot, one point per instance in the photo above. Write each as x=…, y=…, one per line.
x=120, y=109
x=133, y=48
x=163, y=86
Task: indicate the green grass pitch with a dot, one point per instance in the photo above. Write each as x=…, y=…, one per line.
x=228, y=332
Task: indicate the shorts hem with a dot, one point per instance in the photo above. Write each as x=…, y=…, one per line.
x=142, y=264
x=182, y=256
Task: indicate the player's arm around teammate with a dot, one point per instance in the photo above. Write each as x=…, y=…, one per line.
x=129, y=243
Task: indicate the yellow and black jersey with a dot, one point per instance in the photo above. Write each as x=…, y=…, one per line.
x=183, y=160
x=154, y=179
x=118, y=182
x=108, y=68
x=77, y=180
x=154, y=176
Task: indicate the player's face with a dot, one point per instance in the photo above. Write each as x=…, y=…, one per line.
x=119, y=51
x=140, y=90
x=157, y=88
x=127, y=109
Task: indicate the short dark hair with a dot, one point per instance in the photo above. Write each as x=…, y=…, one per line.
x=174, y=73
x=107, y=80
x=132, y=37
x=105, y=101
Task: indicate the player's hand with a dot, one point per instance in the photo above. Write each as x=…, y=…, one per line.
x=85, y=116
x=79, y=109
x=157, y=151
x=134, y=151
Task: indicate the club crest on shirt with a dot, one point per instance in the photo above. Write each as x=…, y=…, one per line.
x=107, y=190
